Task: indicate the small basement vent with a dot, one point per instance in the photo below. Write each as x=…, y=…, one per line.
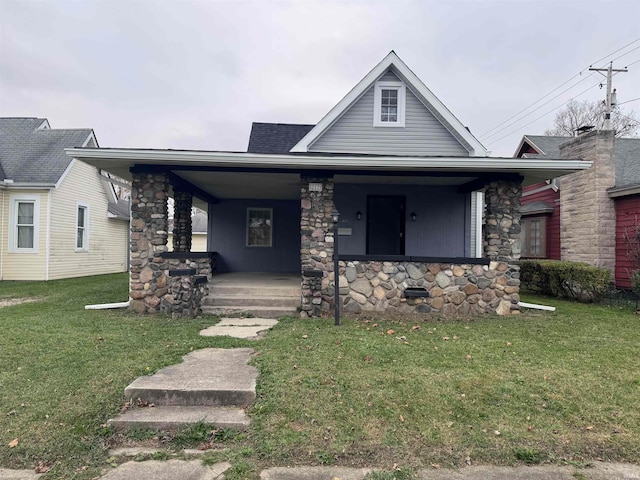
x=416, y=292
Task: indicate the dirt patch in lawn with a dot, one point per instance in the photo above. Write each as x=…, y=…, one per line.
x=10, y=302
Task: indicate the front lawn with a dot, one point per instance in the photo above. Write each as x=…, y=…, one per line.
x=560, y=387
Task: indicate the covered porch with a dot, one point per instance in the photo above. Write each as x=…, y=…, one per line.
x=414, y=233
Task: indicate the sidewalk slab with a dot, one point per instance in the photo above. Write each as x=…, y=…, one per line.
x=207, y=377
x=168, y=470
x=174, y=418
x=7, y=474
x=314, y=473
x=598, y=471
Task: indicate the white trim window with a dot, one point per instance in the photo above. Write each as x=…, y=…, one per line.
x=82, y=227
x=259, y=227
x=24, y=216
x=389, y=104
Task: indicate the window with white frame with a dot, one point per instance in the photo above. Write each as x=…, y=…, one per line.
x=24, y=218
x=259, y=227
x=82, y=227
x=389, y=104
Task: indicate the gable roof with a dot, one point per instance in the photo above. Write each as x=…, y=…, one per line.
x=275, y=137
x=626, y=153
x=545, y=146
x=419, y=89
x=33, y=153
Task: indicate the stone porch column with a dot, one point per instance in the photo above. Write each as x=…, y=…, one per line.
x=502, y=246
x=502, y=221
x=316, y=245
x=182, y=233
x=148, y=280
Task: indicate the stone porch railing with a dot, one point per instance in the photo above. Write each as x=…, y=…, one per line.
x=422, y=285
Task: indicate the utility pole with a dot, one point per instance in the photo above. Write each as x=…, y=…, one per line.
x=608, y=103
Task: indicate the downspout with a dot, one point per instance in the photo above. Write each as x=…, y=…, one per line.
x=479, y=222
x=2, y=232
x=48, y=238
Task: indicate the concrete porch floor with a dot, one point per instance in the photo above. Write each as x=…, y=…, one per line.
x=256, y=279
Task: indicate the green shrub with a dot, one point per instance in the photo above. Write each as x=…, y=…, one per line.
x=573, y=280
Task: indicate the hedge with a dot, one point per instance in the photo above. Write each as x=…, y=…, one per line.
x=573, y=280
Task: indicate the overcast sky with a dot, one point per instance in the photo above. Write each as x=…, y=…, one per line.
x=195, y=74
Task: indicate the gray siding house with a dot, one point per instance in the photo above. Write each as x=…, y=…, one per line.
x=428, y=221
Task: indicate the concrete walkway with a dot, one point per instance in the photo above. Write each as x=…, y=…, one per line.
x=248, y=328
x=212, y=385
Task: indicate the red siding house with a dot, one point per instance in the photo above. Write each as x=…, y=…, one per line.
x=551, y=216
x=540, y=204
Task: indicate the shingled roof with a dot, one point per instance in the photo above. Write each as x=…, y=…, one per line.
x=32, y=154
x=276, y=138
x=626, y=155
x=548, y=146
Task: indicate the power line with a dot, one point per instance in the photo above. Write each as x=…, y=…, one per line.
x=629, y=64
x=544, y=114
x=539, y=107
x=633, y=100
x=624, y=54
x=616, y=51
x=497, y=127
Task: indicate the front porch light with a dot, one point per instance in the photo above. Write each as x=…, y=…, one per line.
x=413, y=216
x=335, y=216
x=358, y=215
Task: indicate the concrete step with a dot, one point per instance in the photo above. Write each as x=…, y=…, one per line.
x=207, y=377
x=174, y=418
x=252, y=300
x=238, y=311
x=254, y=290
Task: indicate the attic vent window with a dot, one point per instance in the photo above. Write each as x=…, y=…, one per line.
x=389, y=104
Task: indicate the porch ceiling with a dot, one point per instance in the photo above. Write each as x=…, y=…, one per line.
x=286, y=186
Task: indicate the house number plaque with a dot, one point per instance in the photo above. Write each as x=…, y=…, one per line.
x=315, y=187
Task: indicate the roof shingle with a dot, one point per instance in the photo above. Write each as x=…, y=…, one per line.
x=275, y=138
x=32, y=155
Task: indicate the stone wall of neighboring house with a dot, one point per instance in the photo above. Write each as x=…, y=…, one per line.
x=452, y=289
x=587, y=214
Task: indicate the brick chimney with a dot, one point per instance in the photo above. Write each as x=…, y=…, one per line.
x=587, y=214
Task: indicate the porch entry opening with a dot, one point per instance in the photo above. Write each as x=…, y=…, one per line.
x=385, y=224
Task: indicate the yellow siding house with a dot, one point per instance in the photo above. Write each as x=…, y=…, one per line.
x=59, y=217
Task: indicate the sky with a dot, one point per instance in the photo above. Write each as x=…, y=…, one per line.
x=187, y=74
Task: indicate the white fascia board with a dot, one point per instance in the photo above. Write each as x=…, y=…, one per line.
x=65, y=173
x=30, y=186
x=91, y=137
x=103, y=157
x=548, y=186
x=413, y=82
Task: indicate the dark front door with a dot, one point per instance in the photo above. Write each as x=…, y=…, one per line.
x=385, y=224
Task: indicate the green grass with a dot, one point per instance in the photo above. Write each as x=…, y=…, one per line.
x=559, y=387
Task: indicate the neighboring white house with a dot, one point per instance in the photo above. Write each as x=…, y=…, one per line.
x=59, y=217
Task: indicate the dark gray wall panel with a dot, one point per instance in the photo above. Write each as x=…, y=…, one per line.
x=227, y=236
x=440, y=230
